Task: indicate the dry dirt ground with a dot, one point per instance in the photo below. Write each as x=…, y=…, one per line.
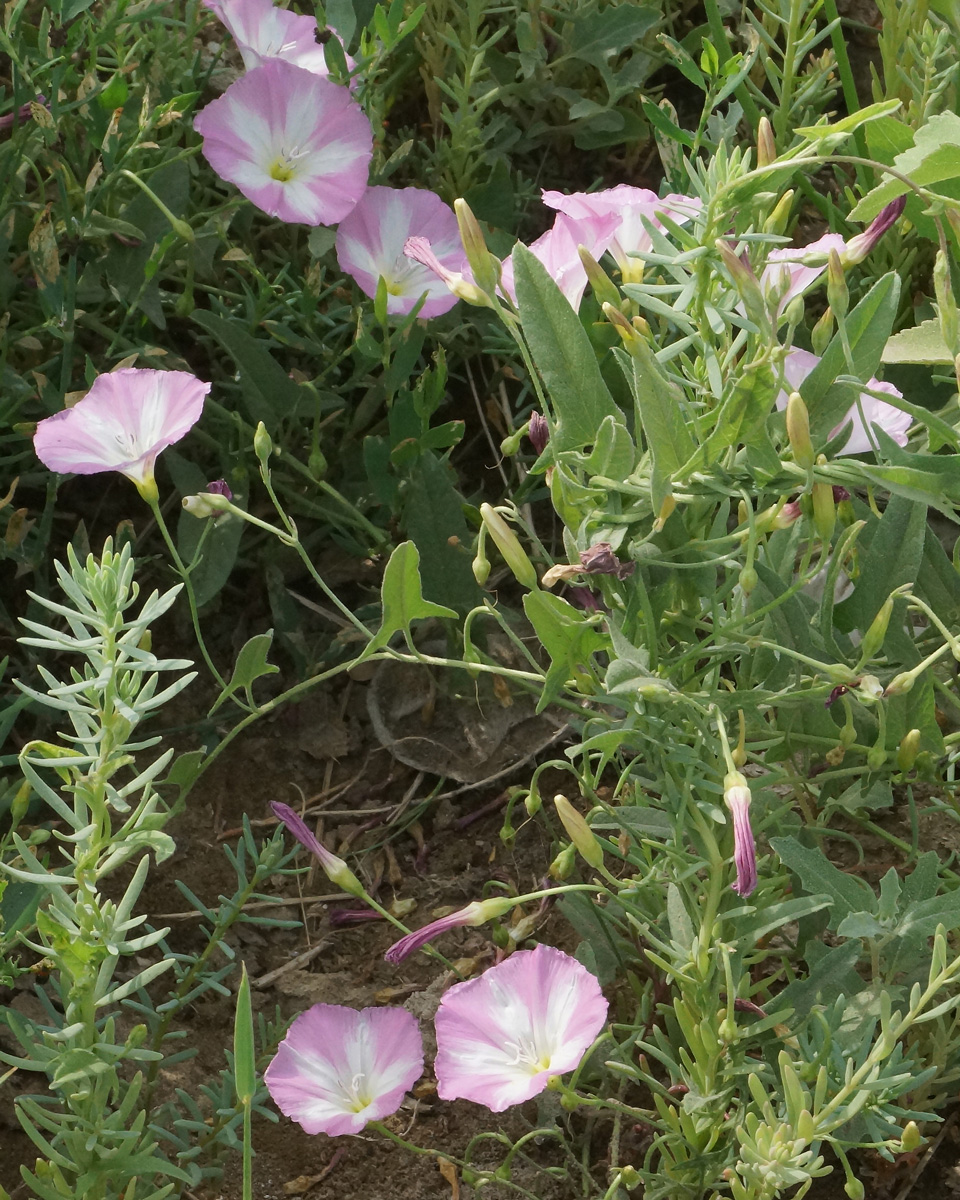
x=321, y=750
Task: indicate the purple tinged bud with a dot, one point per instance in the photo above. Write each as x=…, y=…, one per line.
x=859, y=247
x=220, y=487
x=538, y=432
x=335, y=868
x=477, y=913
x=736, y=796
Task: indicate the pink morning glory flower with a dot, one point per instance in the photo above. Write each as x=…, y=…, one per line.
x=893, y=421
x=124, y=421
x=338, y=1069
x=503, y=1036
x=263, y=30
x=631, y=205
x=736, y=796
x=371, y=239
x=295, y=144
x=557, y=249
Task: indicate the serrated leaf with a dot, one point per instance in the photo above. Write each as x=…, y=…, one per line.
x=933, y=158
x=847, y=893
x=922, y=344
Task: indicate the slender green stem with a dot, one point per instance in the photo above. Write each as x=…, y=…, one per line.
x=184, y=572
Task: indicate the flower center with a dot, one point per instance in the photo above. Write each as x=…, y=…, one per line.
x=284, y=166
x=359, y=1096
x=529, y=1056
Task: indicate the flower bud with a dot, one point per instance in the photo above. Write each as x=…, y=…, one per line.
x=628, y=334
x=603, y=286
x=908, y=750
x=262, y=443
x=509, y=546
x=822, y=332
x=481, y=567
x=873, y=638
x=777, y=221
x=579, y=832
x=511, y=443
x=485, y=267
x=206, y=504
x=900, y=684
x=837, y=294
x=562, y=866
x=766, y=146
x=854, y=1189
x=911, y=1139
x=798, y=431
x=748, y=580
x=876, y=757
x=857, y=249
x=746, y=284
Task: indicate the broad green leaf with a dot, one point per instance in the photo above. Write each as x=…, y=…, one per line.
x=269, y=391
x=681, y=926
x=596, y=38
x=933, y=158
x=847, y=893
x=751, y=929
x=659, y=406
x=565, y=635
x=431, y=515
x=893, y=558
x=922, y=344
x=614, y=455
x=868, y=328
x=563, y=355
x=401, y=597
x=742, y=417
x=816, y=133
x=250, y=666
x=832, y=973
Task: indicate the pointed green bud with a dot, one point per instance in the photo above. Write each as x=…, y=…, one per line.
x=911, y=1139
x=509, y=546
x=798, y=431
x=837, y=294
x=562, y=866
x=766, y=146
x=778, y=219
x=485, y=267
x=873, y=638
x=908, y=750
x=262, y=443
x=822, y=333
x=603, y=286
x=579, y=832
